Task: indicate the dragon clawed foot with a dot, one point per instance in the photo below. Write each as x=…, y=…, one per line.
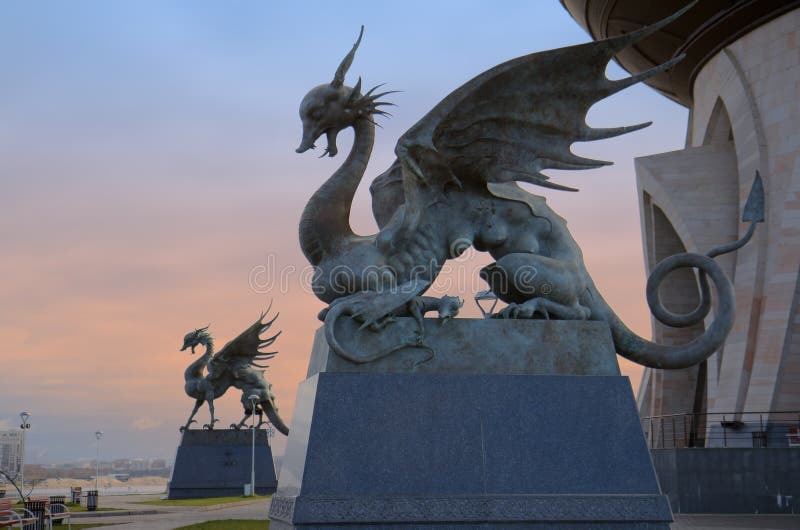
x=380, y=324
x=186, y=427
x=527, y=310
x=545, y=308
x=209, y=426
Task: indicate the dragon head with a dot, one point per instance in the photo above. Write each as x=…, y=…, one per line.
x=449, y=307
x=332, y=107
x=193, y=338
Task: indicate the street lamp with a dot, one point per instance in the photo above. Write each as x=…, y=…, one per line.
x=98, y=435
x=24, y=416
x=253, y=398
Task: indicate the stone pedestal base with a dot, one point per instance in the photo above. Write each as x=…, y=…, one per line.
x=469, y=346
x=467, y=451
x=217, y=464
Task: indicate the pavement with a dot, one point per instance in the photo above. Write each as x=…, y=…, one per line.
x=736, y=522
x=147, y=517
x=136, y=516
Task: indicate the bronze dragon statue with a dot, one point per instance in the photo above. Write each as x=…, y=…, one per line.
x=454, y=185
x=232, y=366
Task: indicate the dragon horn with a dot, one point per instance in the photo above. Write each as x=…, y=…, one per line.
x=338, y=78
x=198, y=330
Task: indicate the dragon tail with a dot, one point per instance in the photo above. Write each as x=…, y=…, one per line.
x=629, y=345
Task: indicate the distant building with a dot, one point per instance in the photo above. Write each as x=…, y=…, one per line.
x=11, y=451
x=121, y=464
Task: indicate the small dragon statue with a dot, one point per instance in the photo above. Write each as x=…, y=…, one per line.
x=454, y=185
x=232, y=366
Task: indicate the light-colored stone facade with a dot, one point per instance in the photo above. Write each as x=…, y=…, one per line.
x=745, y=117
x=10, y=451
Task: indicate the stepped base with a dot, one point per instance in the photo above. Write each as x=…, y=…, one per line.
x=217, y=464
x=390, y=450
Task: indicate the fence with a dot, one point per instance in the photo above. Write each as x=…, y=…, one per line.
x=723, y=429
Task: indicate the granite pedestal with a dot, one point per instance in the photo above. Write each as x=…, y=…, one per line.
x=217, y=464
x=520, y=446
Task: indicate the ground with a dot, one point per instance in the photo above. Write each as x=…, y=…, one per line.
x=229, y=524
x=145, y=512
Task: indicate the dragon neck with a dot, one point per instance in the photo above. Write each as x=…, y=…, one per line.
x=325, y=222
x=195, y=370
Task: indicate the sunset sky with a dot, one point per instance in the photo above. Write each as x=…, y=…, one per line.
x=149, y=185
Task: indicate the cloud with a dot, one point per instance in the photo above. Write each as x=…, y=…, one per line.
x=4, y=425
x=144, y=424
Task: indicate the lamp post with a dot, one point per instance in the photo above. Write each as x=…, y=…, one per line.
x=253, y=398
x=24, y=416
x=98, y=435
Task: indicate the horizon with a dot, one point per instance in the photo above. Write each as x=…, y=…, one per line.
x=150, y=186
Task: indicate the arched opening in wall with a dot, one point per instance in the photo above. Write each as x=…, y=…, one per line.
x=719, y=129
x=681, y=391
x=719, y=132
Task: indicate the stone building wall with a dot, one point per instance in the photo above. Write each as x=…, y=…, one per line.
x=745, y=117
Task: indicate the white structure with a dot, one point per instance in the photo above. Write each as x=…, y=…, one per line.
x=740, y=78
x=745, y=117
x=11, y=451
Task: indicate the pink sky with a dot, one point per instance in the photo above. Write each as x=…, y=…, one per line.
x=143, y=192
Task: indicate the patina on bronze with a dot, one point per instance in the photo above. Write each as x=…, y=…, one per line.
x=454, y=185
x=235, y=365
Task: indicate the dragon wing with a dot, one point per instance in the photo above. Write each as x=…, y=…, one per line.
x=246, y=348
x=520, y=117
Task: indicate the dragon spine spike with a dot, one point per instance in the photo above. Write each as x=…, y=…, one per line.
x=266, y=311
x=338, y=77
x=621, y=84
x=373, y=97
x=560, y=164
x=267, y=324
x=616, y=44
x=354, y=94
x=581, y=162
x=373, y=89
x=547, y=184
x=272, y=338
x=603, y=133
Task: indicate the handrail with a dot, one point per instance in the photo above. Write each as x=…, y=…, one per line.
x=760, y=429
x=722, y=413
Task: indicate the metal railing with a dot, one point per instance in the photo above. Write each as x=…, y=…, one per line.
x=766, y=429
